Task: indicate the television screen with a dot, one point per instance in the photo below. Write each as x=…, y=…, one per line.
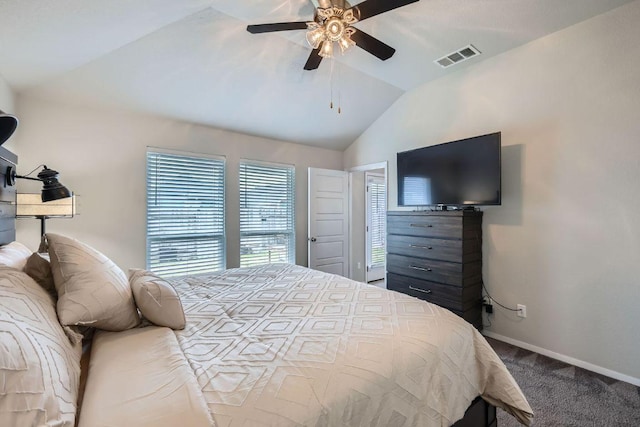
x=459, y=173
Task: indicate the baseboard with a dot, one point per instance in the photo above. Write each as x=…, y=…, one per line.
x=563, y=358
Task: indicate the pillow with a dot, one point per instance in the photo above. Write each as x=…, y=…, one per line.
x=39, y=366
x=157, y=300
x=39, y=269
x=15, y=255
x=92, y=290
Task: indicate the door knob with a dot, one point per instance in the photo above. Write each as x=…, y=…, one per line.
x=313, y=239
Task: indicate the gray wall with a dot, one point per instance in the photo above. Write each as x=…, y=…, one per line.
x=101, y=157
x=566, y=240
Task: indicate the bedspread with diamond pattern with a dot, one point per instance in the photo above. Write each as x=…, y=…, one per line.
x=283, y=345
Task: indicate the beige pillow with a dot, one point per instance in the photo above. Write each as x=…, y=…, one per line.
x=92, y=290
x=39, y=366
x=39, y=269
x=157, y=300
x=14, y=255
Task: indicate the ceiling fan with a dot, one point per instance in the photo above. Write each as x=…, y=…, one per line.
x=332, y=23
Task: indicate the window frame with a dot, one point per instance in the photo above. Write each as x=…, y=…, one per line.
x=290, y=232
x=219, y=217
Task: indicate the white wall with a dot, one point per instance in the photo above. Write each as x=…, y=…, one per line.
x=100, y=155
x=566, y=240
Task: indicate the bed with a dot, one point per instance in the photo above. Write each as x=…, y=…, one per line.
x=272, y=345
x=311, y=348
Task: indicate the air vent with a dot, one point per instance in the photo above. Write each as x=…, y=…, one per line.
x=458, y=56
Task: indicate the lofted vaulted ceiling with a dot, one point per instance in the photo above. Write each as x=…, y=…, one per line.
x=193, y=60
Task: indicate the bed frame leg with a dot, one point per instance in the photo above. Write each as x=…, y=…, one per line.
x=479, y=414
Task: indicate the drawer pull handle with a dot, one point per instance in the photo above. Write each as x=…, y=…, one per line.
x=422, y=225
x=428, y=291
x=415, y=267
x=421, y=247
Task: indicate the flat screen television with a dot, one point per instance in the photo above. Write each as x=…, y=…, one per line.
x=457, y=174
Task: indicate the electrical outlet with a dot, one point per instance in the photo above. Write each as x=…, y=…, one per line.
x=488, y=305
x=359, y=266
x=522, y=310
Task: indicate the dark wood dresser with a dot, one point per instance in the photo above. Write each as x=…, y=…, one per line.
x=437, y=256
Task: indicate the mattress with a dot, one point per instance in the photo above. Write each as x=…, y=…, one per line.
x=283, y=345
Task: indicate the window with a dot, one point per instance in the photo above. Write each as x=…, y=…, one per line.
x=185, y=213
x=267, y=229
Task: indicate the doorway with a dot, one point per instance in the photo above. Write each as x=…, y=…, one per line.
x=376, y=225
x=368, y=210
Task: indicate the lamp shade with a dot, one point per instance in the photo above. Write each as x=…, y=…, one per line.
x=8, y=125
x=31, y=206
x=52, y=189
x=326, y=51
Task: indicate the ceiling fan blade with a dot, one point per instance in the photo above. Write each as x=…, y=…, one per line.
x=373, y=45
x=279, y=26
x=314, y=60
x=369, y=8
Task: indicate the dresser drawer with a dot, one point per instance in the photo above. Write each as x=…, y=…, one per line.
x=451, y=273
x=427, y=269
x=454, y=298
x=426, y=225
x=425, y=247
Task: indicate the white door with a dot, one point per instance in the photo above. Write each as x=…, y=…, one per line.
x=329, y=221
x=376, y=229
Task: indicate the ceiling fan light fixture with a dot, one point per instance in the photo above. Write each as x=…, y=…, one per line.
x=315, y=37
x=335, y=29
x=348, y=17
x=328, y=12
x=333, y=24
x=345, y=42
x=327, y=49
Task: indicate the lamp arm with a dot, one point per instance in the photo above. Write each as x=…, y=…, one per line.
x=10, y=177
x=27, y=177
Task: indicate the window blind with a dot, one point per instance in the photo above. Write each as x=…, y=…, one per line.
x=377, y=215
x=267, y=225
x=185, y=214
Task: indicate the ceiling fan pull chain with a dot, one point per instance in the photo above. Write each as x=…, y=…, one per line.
x=339, y=91
x=331, y=83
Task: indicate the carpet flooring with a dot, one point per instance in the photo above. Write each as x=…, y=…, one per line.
x=565, y=395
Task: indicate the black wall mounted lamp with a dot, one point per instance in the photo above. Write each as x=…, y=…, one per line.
x=51, y=189
x=38, y=206
x=57, y=200
x=8, y=125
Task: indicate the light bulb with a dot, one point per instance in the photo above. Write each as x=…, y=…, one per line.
x=334, y=29
x=327, y=49
x=345, y=43
x=315, y=37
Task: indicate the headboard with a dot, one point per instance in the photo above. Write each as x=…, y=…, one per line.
x=7, y=199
